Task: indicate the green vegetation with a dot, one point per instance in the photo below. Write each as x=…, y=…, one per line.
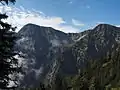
x=102, y=74
x=8, y=63
x=98, y=74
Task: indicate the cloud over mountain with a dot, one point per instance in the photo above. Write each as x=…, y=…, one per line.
x=77, y=23
x=20, y=17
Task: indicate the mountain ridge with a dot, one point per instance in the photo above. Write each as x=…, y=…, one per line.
x=52, y=51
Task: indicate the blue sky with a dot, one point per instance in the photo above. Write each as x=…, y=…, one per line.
x=80, y=14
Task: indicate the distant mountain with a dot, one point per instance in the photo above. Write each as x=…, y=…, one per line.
x=96, y=43
x=91, y=45
x=49, y=52
x=40, y=46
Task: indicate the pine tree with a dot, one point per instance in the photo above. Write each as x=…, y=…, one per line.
x=7, y=1
x=8, y=63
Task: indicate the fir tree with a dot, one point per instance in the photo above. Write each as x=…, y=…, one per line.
x=8, y=63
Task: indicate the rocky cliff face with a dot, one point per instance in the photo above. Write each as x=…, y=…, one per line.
x=96, y=43
x=48, y=51
x=40, y=45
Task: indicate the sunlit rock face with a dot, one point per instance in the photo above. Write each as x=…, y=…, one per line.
x=48, y=51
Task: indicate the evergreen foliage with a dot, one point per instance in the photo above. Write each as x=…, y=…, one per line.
x=8, y=62
x=101, y=74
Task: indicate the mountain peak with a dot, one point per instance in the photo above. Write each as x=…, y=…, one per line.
x=35, y=25
x=32, y=28
x=104, y=27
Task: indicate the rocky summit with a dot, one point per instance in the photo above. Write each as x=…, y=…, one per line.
x=49, y=52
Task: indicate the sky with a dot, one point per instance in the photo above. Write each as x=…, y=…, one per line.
x=64, y=15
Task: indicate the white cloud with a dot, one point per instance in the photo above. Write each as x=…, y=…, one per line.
x=20, y=17
x=100, y=23
x=70, y=2
x=117, y=25
x=77, y=23
x=88, y=7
